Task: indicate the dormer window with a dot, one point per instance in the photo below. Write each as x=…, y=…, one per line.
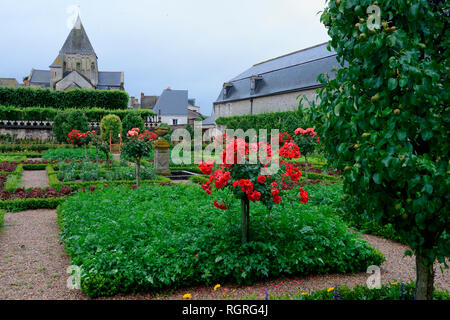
x=226, y=89
x=254, y=82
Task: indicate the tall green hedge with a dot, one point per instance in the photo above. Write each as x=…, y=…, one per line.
x=286, y=121
x=79, y=98
x=48, y=114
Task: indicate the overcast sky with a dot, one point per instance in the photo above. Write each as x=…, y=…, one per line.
x=193, y=44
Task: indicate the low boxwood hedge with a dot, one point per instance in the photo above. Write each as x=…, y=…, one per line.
x=31, y=203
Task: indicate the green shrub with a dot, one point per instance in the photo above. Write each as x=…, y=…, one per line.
x=286, y=121
x=65, y=122
x=199, y=179
x=71, y=154
x=2, y=216
x=49, y=114
x=31, y=204
x=132, y=121
x=79, y=98
x=111, y=124
x=155, y=238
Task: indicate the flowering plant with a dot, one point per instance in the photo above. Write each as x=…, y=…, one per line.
x=136, y=146
x=78, y=138
x=307, y=140
x=253, y=181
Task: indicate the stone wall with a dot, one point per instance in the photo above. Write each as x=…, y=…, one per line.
x=274, y=103
x=35, y=134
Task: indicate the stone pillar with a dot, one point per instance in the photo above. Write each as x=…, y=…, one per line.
x=162, y=153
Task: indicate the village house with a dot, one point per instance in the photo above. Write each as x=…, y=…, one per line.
x=275, y=85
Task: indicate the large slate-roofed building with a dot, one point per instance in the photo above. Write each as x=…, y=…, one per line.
x=76, y=66
x=274, y=85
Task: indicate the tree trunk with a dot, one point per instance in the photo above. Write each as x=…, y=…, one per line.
x=138, y=172
x=424, y=280
x=245, y=219
x=107, y=160
x=306, y=169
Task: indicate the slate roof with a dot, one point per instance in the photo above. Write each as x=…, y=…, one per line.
x=211, y=120
x=109, y=78
x=148, y=102
x=40, y=77
x=77, y=41
x=172, y=102
x=292, y=72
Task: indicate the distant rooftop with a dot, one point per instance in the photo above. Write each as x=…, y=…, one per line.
x=172, y=102
x=291, y=72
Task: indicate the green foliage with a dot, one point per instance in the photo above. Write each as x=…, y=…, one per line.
x=2, y=216
x=49, y=114
x=79, y=98
x=67, y=121
x=384, y=119
x=391, y=291
x=125, y=242
x=132, y=121
x=286, y=121
x=14, y=179
x=111, y=124
x=70, y=154
x=199, y=179
x=31, y=204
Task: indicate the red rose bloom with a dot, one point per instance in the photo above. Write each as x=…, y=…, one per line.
x=303, y=196
x=221, y=206
x=261, y=179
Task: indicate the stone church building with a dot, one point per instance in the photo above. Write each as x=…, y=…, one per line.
x=76, y=66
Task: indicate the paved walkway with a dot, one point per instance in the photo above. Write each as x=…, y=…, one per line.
x=32, y=261
x=34, y=178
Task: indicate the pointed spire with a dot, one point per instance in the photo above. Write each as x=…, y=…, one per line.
x=78, y=24
x=77, y=41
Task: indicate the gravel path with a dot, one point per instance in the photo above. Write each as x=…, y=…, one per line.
x=34, y=178
x=33, y=266
x=32, y=261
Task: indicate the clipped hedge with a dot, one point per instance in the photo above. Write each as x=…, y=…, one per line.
x=31, y=204
x=31, y=147
x=286, y=121
x=55, y=183
x=49, y=114
x=78, y=98
x=2, y=216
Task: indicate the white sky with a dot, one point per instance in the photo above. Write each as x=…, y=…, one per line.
x=194, y=44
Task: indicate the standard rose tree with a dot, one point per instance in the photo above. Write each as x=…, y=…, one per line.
x=307, y=141
x=137, y=146
x=251, y=182
x=80, y=139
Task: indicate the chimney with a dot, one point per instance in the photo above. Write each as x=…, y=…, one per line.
x=168, y=88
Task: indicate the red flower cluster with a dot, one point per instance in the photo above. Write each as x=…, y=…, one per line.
x=290, y=150
x=76, y=137
x=220, y=206
x=236, y=167
x=308, y=132
x=293, y=172
x=303, y=196
x=147, y=135
x=206, y=167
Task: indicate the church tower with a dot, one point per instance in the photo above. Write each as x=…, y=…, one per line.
x=77, y=54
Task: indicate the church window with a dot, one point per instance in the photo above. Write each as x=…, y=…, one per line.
x=78, y=66
x=92, y=66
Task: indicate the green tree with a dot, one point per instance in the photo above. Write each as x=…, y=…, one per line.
x=111, y=125
x=131, y=121
x=384, y=120
x=64, y=122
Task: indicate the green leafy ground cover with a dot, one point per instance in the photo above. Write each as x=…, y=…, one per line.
x=154, y=238
x=72, y=154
